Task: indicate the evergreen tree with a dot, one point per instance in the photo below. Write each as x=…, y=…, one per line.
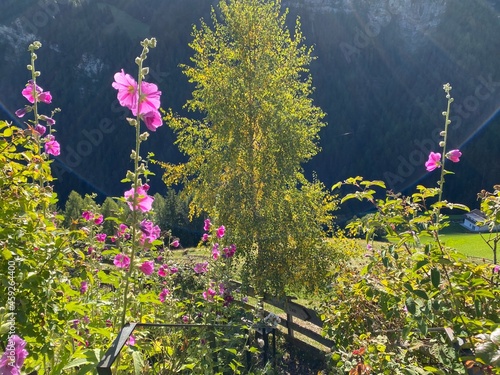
x=73, y=208
x=244, y=170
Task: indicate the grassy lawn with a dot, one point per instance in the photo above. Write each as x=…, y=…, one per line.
x=470, y=244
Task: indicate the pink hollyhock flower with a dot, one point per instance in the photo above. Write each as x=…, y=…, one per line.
x=175, y=243
x=164, y=294
x=147, y=268
x=454, y=155
x=121, y=261
x=98, y=219
x=128, y=95
x=52, y=147
x=131, y=340
x=149, y=100
x=163, y=271
x=173, y=270
x=433, y=162
x=185, y=319
x=142, y=201
x=207, y=225
x=229, y=252
x=32, y=91
x=49, y=120
x=40, y=129
x=127, y=90
x=87, y=215
x=122, y=228
x=201, y=267
x=215, y=251
x=150, y=232
x=152, y=120
x=45, y=97
x=84, y=287
x=13, y=358
x=101, y=237
x=204, y=238
x=209, y=294
x=496, y=269
x=221, y=231
x=21, y=112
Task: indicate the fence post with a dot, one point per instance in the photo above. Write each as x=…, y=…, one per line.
x=289, y=318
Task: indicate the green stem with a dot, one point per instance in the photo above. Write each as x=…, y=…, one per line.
x=135, y=213
x=443, y=156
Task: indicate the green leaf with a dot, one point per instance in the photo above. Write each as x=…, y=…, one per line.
x=232, y=351
x=76, y=363
x=411, y=306
x=7, y=132
x=138, y=362
x=421, y=294
x=435, y=277
x=187, y=366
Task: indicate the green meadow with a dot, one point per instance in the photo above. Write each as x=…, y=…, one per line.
x=468, y=243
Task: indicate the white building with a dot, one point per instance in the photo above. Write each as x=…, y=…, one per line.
x=473, y=220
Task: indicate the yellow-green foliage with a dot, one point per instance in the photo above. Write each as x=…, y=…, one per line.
x=253, y=88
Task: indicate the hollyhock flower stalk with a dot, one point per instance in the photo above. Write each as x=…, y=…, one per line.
x=141, y=98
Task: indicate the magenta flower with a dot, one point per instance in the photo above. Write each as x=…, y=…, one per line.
x=164, y=294
x=215, y=251
x=121, y=261
x=40, y=129
x=128, y=96
x=173, y=270
x=32, y=91
x=131, y=340
x=127, y=90
x=121, y=230
x=147, y=268
x=13, y=358
x=87, y=215
x=204, y=238
x=49, y=120
x=185, y=319
x=98, y=219
x=149, y=100
x=207, y=225
x=21, y=112
x=45, y=97
x=209, y=294
x=175, y=243
x=221, y=231
x=152, y=120
x=52, y=147
x=101, y=237
x=433, y=162
x=201, y=267
x=142, y=200
x=150, y=232
x=84, y=287
x=454, y=155
x=496, y=269
x=163, y=271
x=229, y=252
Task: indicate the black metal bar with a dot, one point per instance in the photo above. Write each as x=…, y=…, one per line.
x=104, y=366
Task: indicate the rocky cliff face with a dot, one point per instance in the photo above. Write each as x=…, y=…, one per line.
x=414, y=16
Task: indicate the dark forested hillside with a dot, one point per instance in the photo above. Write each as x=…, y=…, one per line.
x=378, y=75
